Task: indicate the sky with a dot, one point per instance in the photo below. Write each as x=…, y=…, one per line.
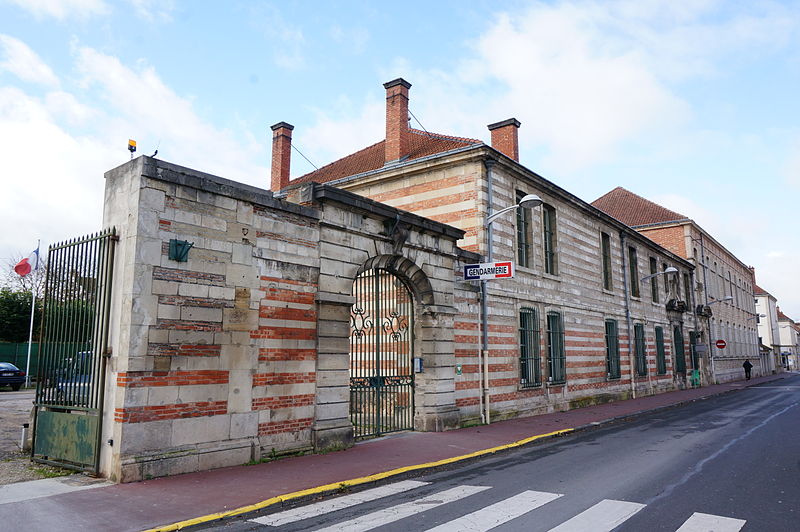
x=692, y=104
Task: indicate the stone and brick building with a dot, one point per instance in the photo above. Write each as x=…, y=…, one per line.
x=561, y=332
x=724, y=288
x=334, y=306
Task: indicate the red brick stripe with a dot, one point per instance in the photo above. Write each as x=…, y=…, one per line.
x=278, y=427
x=267, y=354
x=284, y=401
x=183, y=276
x=142, y=414
x=283, y=313
x=284, y=333
x=267, y=379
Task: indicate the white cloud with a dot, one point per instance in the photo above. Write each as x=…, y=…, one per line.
x=55, y=185
x=286, y=41
x=24, y=63
x=63, y=9
x=337, y=133
x=144, y=108
x=154, y=10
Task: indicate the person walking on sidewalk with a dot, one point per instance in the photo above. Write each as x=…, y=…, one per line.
x=747, y=367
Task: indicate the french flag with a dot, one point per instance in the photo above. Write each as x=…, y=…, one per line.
x=28, y=264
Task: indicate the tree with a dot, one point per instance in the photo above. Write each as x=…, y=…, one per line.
x=15, y=315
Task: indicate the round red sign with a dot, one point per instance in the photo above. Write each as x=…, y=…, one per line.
x=721, y=344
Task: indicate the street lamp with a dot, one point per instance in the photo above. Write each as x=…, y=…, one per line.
x=529, y=201
x=671, y=269
x=726, y=298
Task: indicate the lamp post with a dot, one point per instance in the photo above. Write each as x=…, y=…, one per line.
x=529, y=201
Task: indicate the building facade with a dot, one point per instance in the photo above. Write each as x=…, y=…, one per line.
x=722, y=291
x=788, y=341
x=576, y=324
x=768, y=331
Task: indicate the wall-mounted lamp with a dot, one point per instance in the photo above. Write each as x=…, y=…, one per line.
x=671, y=269
x=726, y=298
x=529, y=201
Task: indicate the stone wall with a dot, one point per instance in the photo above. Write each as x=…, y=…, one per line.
x=241, y=351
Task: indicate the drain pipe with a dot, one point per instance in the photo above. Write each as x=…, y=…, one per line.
x=484, y=387
x=628, y=321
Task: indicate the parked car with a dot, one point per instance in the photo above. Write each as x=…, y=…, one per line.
x=11, y=375
x=74, y=383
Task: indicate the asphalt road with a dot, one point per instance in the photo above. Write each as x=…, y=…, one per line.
x=727, y=463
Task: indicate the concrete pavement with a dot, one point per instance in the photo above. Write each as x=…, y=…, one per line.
x=81, y=503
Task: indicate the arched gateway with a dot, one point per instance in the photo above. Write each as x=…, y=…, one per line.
x=381, y=354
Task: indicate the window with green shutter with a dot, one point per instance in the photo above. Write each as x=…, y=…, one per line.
x=641, y=354
x=556, y=358
x=633, y=269
x=612, y=349
x=529, y=355
x=661, y=358
x=654, y=279
x=549, y=239
x=523, y=234
x=680, y=357
x=605, y=245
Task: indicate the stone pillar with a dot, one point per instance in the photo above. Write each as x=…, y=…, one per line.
x=332, y=429
x=435, y=387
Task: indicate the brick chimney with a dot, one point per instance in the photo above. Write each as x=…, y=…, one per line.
x=281, y=155
x=505, y=137
x=397, y=136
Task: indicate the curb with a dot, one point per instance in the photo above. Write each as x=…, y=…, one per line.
x=338, y=486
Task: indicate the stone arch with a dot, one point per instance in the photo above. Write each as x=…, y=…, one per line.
x=405, y=269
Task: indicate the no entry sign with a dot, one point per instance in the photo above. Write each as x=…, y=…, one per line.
x=721, y=344
x=489, y=270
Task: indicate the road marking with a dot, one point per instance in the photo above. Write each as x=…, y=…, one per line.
x=401, y=511
x=711, y=523
x=604, y=516
x=498, y=513
x=323, y=507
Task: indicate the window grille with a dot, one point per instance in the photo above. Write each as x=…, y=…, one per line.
x=612, y=349
x=529, y=349
x=556, y=358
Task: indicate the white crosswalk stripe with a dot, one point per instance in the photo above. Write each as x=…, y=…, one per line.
x=604, y=516
x=711, y=523
x=338, y=503
x=401, y=511
x=498, y=513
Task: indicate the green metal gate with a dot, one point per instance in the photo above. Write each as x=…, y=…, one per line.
x=73, y=351
x=381, y=355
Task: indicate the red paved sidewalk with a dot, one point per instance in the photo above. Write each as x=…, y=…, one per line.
x=169, y=500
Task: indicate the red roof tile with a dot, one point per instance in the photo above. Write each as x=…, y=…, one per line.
x=634, y=210
x=374, y=157
x=757, y=290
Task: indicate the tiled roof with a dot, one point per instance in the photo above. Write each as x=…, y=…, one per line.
x=757, y=290
x=373, y=157
x=782, y=316
x=634, y=210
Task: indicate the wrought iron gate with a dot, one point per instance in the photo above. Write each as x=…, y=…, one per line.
x=381, y=355
x=71, y=373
